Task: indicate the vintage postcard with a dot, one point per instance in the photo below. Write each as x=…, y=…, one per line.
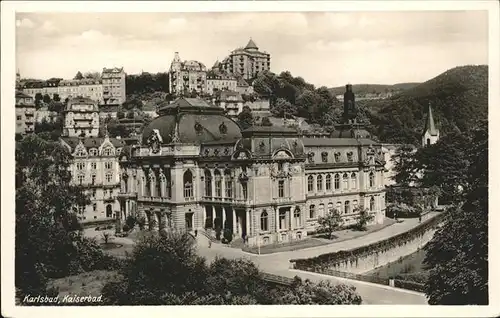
x=250, y=158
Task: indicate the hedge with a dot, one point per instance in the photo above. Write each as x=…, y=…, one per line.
x=405, y=284
x=351, y=256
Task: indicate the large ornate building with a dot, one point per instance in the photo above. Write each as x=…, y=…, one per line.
x=247, y=62
x=196, y=169
x=113, y=86
x=187, y=77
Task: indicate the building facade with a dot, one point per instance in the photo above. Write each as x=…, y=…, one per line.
x=247, y=62
x=113, y=86
x=187, y=77
x=88, y=88
x=195, y=169
x=230, y=101
x=25, y=114
x=95, y=166
x=81, y=118
x=220, y=82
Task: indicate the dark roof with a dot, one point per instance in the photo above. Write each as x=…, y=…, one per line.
x=22, y=95
x=429, y=124
x=318, y=142
x=269, y=131
x=91, y=142
x=251, y=45
x=81, y=100
x=193, y=120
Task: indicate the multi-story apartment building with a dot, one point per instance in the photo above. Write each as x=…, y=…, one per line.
x=196, y=169
x=88, y=88
x=113, y=86
x=247, y=62
x=95, y=166
x=220, y=82
x=81, y=118
x=25, y=114
x=186, y=77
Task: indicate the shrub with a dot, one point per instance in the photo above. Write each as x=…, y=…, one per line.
x=126, y=228
x=228, y=235
x=141, y=222
x=131, y=221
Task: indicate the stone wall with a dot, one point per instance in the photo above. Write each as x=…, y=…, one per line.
x=381, y=258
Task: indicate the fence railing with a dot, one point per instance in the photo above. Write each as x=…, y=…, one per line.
x=282, y=280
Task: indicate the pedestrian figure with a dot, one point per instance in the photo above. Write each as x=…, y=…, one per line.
x=195, y=233
x=209, y=244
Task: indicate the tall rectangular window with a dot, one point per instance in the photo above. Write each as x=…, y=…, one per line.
x=281, y=188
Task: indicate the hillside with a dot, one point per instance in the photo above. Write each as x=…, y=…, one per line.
x=459, y=97
x=363, y=89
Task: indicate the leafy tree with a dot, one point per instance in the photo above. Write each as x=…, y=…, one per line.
x=120, y=115
x=53, y=129
x=132, y=104
x=130, y=114
x=78, y=76
x=266, y=122
x=330, y=222
x=325, y=293
x=56, y=98
x=245, y=118
x=55, y=106
x=46, y=98
x=457, y=255
x=92, y=75
x=283, y=108
x=131, y=221
x=38, y=100
x=363, y=218
x=46, y=242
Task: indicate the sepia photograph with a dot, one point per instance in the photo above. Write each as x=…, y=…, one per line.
x=269, y=156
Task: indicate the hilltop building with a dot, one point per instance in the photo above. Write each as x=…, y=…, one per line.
x=113, y=86
x=187, y=77
x=220, y=82
x=25, y=114
x=195, y=169
x=246, y=62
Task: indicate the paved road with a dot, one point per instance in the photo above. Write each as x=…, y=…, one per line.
x=278, y=264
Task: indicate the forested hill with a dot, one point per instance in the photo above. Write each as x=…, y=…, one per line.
x=364, y=89
x=459, y=97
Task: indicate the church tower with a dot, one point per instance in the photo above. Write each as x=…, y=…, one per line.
x=349, y=114
x=431, y=134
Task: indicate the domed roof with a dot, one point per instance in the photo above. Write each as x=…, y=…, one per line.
x=192, y=120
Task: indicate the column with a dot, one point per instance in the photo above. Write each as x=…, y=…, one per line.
x=235, y=228
x=223, y=185
x=277, y=219
x=223, y=210
x=291, y=213
x=247, y=215
x=204, y=217
x=213, y=182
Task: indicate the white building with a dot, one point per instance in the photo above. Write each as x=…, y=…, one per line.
x=81, y=118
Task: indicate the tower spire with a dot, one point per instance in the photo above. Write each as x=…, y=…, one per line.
x=430, y=134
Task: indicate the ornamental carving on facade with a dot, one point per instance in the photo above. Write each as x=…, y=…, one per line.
x=154, y=141
x=216, y=152
x=198, y=128
x=337, y=156
x=310, y=157
x=223, y=128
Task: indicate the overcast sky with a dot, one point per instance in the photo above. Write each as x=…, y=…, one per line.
x=328, y=49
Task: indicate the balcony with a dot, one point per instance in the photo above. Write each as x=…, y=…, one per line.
x=127, y=195
x=154, y=199
x=226, y=200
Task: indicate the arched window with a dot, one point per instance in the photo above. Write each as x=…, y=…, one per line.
x=345, y=181
x=347, y=207
x=107, y=151
x=218, y=183
x=296, y=217
x=188, y=184
x=328, y=181
x=152, y=177
x=330, y=207
x=310, y=184
x=319, y=183
x=337, y=181
x=354, y=205
x=228, y=180
x=372, y=179
x=208, y=183
x=339, y=207
x=312, y=211
x=428, y=142
x=321, y=210
x=264, y=225
x=372, y=204
x=282, y=219
x=353, y=181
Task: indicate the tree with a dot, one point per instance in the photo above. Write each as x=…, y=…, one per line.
x=325, y=293
x=56, y=98
x=283, y=108
x=457, y=255
x=132, y=104
x=38, y=99
x=92, y=75
x=266, y=122
x=330, y=222
x=120, y=115
x=48, y=244
x=46, y=98
x=55, y=106
x=78, y=76
x=363, y=218
x=245, y=118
